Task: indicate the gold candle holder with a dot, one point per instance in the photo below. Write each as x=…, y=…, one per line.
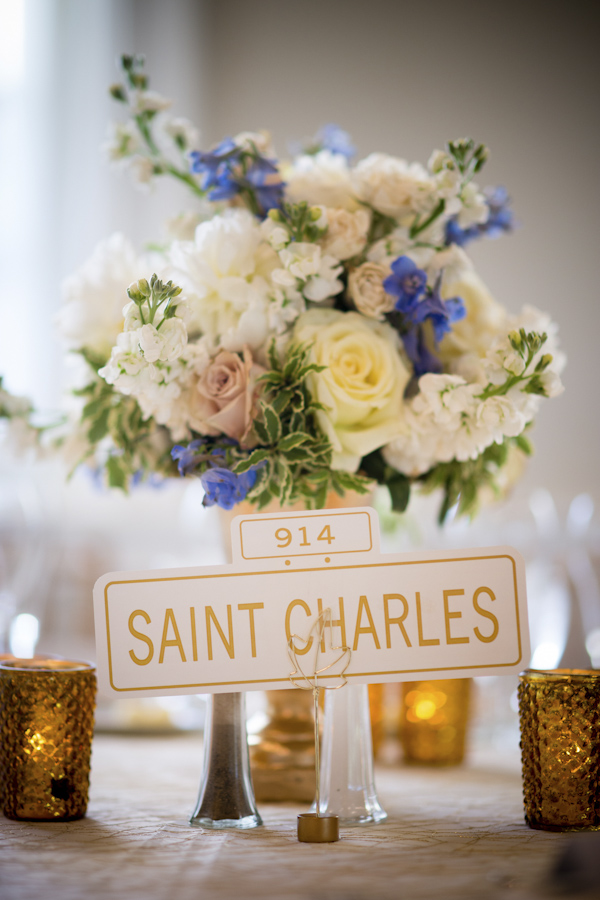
x=560, y=748
x=433, y=721
x=46, y=724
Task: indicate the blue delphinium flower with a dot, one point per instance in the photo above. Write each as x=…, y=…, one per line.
x=421, y=357
x=417, y=304
x=224, y=488
x=500, y=220
x=441, y=313
x=269, y=193
x=229, y=170
x=187, y=457
x=217, y=168
x=407, y=283
x=333, y=138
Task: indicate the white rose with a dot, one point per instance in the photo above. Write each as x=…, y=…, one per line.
x=346, y=234
x=365, y=286
x=362, y=386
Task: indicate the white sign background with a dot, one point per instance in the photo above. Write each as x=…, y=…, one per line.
x=226, y=628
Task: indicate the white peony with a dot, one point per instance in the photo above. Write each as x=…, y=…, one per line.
x=226, y=273
x=471, y=337
x=321, y=180
x=93, y=297
x=394, y=187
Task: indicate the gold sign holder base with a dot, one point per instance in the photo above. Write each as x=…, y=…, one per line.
x=315, y=829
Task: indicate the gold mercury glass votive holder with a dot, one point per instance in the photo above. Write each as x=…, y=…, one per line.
x=433, y=721
x=560, y=748
x=46, y=725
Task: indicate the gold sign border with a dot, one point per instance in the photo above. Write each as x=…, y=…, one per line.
x=206, y=684
x=305, y=515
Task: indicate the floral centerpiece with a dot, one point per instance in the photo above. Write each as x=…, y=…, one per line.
x=309, y=326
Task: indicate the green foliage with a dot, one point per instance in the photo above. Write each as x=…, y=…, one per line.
x=527, y=344
x=300, y=220
x=293, y=454
x=398, y=485
x=131, y=440
x=461, y=482
x=468, y=156
x=149, y=297
x=135, y=83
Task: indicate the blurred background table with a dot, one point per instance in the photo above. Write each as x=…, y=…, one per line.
x=456, y=833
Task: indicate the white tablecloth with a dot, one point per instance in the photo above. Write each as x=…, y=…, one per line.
x=452, y=833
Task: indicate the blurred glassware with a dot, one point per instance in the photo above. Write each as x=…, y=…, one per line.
x=24, y=563
x=434, y=718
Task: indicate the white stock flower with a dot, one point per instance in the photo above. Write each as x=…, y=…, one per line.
x=165, y=344
x=393, y=186
x=474, y=210
x=148, y=101
x=141, y=169
x=226, y=272
x=259, y=139
x=123, y=141
x=184, y=130
x=322, y=179
x=309, y=271
x=93, y=297
x=346, y=233
x=275, y=234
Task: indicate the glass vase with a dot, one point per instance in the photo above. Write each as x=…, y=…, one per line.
x=226, y=797
x=347, y=780
x=282, y=753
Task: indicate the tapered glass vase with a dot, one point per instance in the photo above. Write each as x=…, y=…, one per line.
x=226, y=798
x=347, y=779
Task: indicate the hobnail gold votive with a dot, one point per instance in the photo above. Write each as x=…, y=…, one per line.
x=560, y=748
x=433, y=721
x=46, y=724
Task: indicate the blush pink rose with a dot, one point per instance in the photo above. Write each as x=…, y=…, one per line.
x=226, y=394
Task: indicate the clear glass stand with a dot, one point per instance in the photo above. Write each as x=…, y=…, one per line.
x=226, y=798
x=347, y=779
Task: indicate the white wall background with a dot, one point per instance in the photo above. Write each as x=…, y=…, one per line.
x=401, y=77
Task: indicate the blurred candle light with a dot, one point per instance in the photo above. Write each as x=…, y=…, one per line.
x=434, y=719
x=46, y=724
